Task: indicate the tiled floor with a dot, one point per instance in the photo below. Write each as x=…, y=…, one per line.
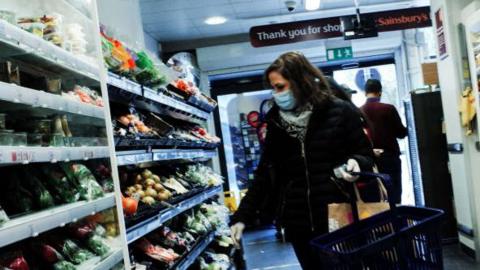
x=264, y=252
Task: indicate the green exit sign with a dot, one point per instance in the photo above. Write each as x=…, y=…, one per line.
x=339, y=53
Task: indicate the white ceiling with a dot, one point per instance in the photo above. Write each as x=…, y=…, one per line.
x=178, y=20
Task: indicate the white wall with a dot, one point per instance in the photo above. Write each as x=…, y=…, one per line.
x=451, y=86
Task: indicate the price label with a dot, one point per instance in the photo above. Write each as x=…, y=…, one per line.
x=88, y=154
x=22, y=156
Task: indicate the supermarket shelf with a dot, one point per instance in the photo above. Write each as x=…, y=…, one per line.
x=39, y=99
x=162, y=142
x=142, y=156
x=26, y=155
x=199, y=248
x=172, y=154
x=34, y=224
x=133, y=157
x=108, y=263
x=16, y=42
x=146, y=226
x=172, y=106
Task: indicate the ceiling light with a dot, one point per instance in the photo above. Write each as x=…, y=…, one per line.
x=312, y=4
x=215, y=20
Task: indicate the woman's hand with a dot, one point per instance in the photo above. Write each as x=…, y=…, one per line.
x=352, y=166
x=237, y=232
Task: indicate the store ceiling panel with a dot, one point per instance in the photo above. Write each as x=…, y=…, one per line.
x=181, y=20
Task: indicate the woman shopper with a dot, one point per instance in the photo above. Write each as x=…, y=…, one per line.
x=310, y=133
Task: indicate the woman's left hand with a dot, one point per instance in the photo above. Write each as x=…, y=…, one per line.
x=352, y=166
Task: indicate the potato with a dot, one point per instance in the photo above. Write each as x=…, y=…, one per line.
x=138, y=187
x=148, y=200
x=131, y=190
x=146, y=174
x=158, y=187
x=163, y=196
x=150, y=192
x=141, y=193
x=138, y=179
x=156, y=178
x=149, y=182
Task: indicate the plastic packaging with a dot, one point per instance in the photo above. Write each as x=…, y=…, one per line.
x=19, y=139
x=88, y=185
x=6, y=137
x=8, y=16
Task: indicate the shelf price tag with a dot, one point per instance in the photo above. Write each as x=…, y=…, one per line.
x=88, y=154
x=24, y=157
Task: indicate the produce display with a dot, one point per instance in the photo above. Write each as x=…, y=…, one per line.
x=136, y=66
x=85, y=95
x=64, y=248
x=41, y=187
x=150, y=189
x=189, y=90
x=137, y=126
x=166, y=246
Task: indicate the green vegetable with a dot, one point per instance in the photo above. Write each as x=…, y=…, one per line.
x=3, y=216
x=88, y=185
x=64, y=190
x=97, y=245
x=41, y=196
x=64, y=265
x=74, y=253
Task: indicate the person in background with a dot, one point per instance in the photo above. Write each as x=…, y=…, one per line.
x=386, y=128
x=309, y=134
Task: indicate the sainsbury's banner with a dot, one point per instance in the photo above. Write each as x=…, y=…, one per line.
x=283, y=33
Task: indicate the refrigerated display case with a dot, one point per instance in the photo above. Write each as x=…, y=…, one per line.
x=54, y=150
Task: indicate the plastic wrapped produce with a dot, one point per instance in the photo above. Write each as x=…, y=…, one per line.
x=167, y=256
x=64, y=189
x=53, y=28
x=41, y=196
x=14, y=261
x=74, y=253
x=3, y=216
x=96, y=244
x=88, y=186
x=64, y=265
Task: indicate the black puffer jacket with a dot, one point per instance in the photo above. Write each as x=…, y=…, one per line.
x=295, y=177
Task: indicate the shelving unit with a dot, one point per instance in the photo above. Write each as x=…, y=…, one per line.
x=190, y=258
x=26, y=155
x=142, y=156
x=149, y=225
x=40, y=99
x=175, y=108
x=38, y=62
x=20, y=44
x=32, y=225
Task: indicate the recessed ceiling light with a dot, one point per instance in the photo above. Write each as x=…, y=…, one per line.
x=215, y=20
x=312, y=4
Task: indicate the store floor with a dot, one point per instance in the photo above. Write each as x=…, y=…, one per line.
x=264, y=252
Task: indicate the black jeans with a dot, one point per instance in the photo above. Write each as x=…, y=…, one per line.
x=304, y=252
x=392, y=165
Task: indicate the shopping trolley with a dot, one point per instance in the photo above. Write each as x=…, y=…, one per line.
x=402, y=238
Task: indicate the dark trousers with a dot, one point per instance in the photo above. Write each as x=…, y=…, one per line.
x=304, y=252
x=392, y=165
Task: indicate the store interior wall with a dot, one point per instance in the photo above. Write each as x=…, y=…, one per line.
x=465, y=177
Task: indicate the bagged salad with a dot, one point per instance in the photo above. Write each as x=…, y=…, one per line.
x=64, y=189
x=88, y=186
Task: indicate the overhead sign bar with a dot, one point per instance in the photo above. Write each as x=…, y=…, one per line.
x=284, y=33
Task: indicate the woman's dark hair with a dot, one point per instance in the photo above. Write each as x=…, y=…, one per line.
x=306, y=81
x=337, y=90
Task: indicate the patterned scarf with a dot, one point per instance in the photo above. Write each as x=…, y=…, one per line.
x=295, y=122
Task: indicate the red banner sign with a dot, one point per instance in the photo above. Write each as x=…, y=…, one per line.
x=283, y=33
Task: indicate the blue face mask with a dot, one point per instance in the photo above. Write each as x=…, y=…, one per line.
x=285, y=100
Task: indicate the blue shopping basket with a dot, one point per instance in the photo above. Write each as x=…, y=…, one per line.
x=401, y=238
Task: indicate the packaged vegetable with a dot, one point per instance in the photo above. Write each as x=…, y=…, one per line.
x=64, y=189
x=50, y=254
x=3, y=216
x=96, y=244
x=64, y=265
x=74, y=253
x=14, y=261
x=81, y=231
x=155, y=252
x=41, y=196
x=88, y=186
